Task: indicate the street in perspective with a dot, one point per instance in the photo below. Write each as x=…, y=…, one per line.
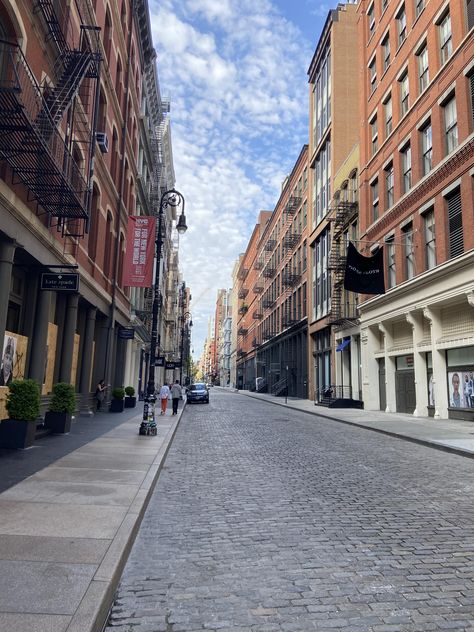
x=265, y=518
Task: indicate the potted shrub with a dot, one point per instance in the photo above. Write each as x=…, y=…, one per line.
x=130, y=399
x=117, y=402
x=62, y=406
x=23, y=406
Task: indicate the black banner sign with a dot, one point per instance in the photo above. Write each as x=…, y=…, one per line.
x=160, y=361
x=364, y=274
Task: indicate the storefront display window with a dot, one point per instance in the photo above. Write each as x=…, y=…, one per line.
x=460, y=377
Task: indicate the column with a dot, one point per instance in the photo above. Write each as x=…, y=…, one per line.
x=355, y=364
x=439, y=365
x=390, y=370
x=419, y=364
x=7, y=253
x=39, y=342
x=67, y=348
x=370, y=369
x=86, y=364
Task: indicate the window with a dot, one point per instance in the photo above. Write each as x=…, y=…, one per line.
x=404, y=94
x=409, y=254
x=470, y=13
x=445, y=38
x=374, y=135
x=371, y=19
x=389, y=180
x=373, y=75
x=423, y=75
x=390, y=250
x=388, y=116
x=406, y=168
x=451, y=125
x=430, y=238
x=456, y=245
x=419, y=6
x=426, y=148
x=374, y=195
x=386, y=52
x=401, y=26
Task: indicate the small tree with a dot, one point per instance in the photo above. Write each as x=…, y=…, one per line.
x=129, y=391
x=63, y=399
x=118, y=392
x=23, y=400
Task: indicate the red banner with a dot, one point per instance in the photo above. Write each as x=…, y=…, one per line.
x=138, y=264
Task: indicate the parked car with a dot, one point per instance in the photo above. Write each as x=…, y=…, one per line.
x=198, y=393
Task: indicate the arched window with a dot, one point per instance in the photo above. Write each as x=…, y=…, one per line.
x=107, y=41
x=94, y=223
x=108, y=253
x=131, y=209
x=121, y=256
x=114, y=158
x=118, y=82
x=102, y=115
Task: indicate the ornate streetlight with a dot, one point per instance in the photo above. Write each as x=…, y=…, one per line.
x=169, y=198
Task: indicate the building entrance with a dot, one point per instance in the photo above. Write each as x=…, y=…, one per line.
x=405, y=391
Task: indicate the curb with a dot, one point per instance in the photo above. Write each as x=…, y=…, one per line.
x=390, y=433
x=93, y=612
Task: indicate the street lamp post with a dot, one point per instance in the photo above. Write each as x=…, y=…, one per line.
x=169, y=198
x=184, y=317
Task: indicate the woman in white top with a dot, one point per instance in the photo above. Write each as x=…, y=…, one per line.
x=164, y=397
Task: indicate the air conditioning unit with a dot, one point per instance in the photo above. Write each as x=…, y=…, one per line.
x=102, y=141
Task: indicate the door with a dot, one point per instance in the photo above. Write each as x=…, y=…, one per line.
x=382, y=387
x=405, y=391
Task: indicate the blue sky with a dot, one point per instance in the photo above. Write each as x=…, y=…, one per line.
x=235, y=71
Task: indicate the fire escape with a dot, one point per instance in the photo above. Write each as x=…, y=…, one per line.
x=291, y=272
x=343, y=305
x=47, y=132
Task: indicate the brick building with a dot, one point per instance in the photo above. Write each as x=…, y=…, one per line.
x=272, y=319
x=333, y=134
x=416, y=200
x=84, y=135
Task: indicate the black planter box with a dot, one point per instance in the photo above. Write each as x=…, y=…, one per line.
x=17, y=433
x=117, y=405
x=58, y=423
x=130, y=401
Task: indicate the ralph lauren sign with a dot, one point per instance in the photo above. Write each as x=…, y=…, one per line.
x=364, y=274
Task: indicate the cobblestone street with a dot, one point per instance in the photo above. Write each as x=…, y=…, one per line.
x=266, y=519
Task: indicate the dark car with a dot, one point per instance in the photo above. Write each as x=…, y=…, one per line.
x=198, y=393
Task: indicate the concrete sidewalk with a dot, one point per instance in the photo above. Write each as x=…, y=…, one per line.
x=443, y=434
x=66, y=531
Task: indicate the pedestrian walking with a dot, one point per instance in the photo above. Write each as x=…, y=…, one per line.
x=176, y=393
x=164, y=397
x=100, y=393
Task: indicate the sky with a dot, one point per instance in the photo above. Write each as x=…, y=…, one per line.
x=236, y=74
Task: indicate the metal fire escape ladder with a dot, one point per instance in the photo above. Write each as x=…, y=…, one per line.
x=342, y=213
x=31, y=138
x=289, y=277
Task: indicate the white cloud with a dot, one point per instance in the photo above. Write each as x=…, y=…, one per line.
x=236, y=75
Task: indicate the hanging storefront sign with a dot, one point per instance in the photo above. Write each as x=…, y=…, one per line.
x=138, y=264
x=126, y=333
x=364, y=275
x=60, y=281
x=160, y=361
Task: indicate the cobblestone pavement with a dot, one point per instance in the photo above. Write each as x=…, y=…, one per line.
x=266, y=520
